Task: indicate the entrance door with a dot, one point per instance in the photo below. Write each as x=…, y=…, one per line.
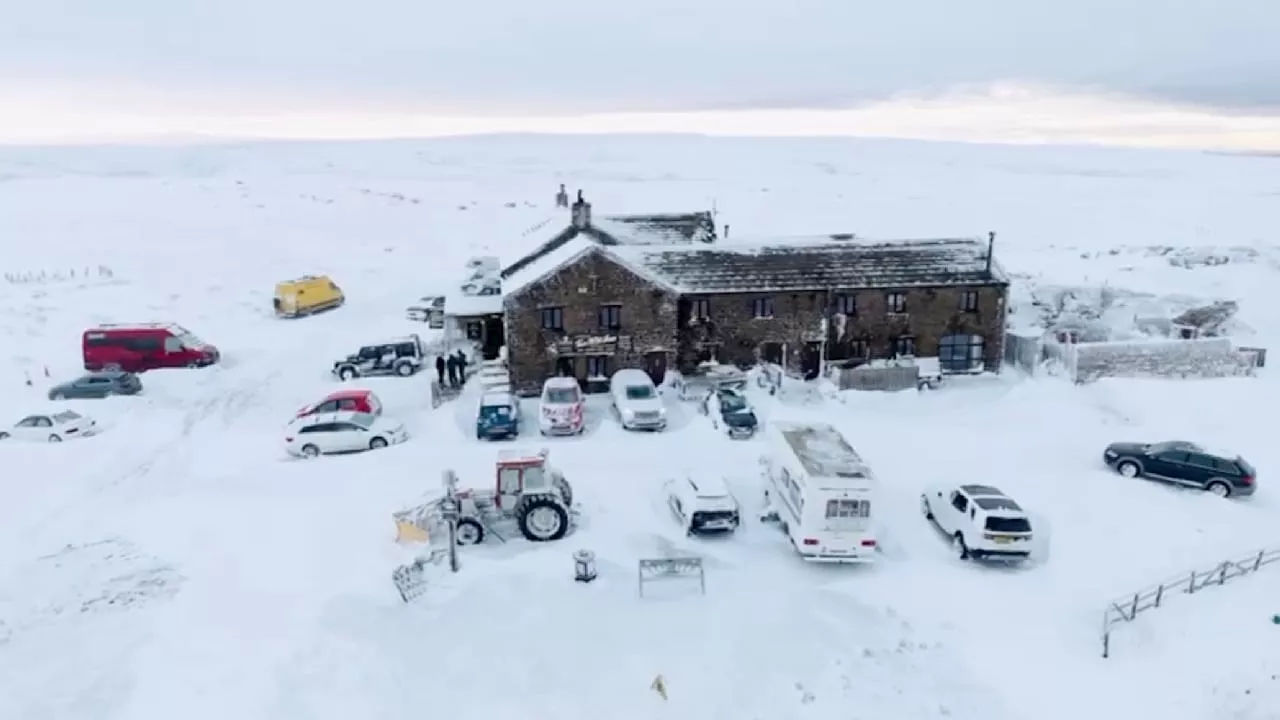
x=564, y=367
x=811, y=360
x=655, y=363
x=493, y=337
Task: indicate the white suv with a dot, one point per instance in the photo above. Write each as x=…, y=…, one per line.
x=703, y=506
x=981, y=521
x=636, y=400
x=562, y=409
x=341, y=432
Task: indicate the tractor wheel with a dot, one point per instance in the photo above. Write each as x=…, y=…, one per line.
x=542, y=518
x=566, y=491
x=469, y=532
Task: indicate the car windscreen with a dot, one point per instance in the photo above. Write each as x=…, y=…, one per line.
x=364, y=420
x=1246, y=468
x=639, y=392
x=66, y=416
x=732, y=403
x=488, y=411
x=561, y=396
x=1008, y=525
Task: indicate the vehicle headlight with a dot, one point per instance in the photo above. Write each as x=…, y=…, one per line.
x=628, y=412
x=662, y=412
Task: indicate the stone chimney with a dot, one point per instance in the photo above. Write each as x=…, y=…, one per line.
x=581, y=213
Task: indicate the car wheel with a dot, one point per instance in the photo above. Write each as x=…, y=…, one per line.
x=346, y=373
x=960, y=548
x=310, y=451
x=55, y=438
x=404, y=370
x=377, y=443
x=57, y=396
x=924, y=508
x=1219, y=488
x=1129, y=469
x=4, y=436
x=112, y=367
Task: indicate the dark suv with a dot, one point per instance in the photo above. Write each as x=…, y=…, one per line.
x=1184, y=463
x=403, y=357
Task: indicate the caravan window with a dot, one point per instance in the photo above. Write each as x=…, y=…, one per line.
x=793, y=489
x=848, y=509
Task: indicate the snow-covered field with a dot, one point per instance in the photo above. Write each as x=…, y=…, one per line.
x=178, y=565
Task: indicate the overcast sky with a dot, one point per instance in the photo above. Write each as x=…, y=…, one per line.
x=522, y=57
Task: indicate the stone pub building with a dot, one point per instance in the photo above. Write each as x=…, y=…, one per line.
x=610, y=294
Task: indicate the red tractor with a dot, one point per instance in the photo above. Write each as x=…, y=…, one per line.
x=529, y=491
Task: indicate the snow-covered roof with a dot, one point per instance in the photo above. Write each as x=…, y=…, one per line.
x=823, y=451
x=657, y=229
x=459, y=304
x=817, y=262
x=565, y=254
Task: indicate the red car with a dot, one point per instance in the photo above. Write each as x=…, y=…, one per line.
x=345, y=400
x=140, y=347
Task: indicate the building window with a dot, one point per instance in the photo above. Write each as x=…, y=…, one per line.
x=847, y=304
x=905, y=345
x=475, y=330
x=762, y=308
x=896, y=302
x=969, y=301
x=859, y=349
x=701, y=308
x=610, y=317
x=552, y=318
x=598, y=367
x=961, y=353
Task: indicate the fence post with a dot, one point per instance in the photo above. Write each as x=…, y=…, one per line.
x=1222, y=578
x=1106, y=640
x=1159, y=595
x=1258, y=563
x=1133, y=611
x=1191, y=586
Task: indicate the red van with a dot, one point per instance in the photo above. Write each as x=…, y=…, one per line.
x=145, y=346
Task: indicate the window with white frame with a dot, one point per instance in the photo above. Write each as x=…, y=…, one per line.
x=895, y=302
x=762, y=308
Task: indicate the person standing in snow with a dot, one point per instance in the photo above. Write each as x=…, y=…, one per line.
x=562, y=197
x=451, y=364
x=462, y=368
x=440, y=369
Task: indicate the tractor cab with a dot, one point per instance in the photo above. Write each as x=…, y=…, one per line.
x=521, y=473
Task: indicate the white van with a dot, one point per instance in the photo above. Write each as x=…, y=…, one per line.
x=636, y=400
x=562, y=409
x=821, y=491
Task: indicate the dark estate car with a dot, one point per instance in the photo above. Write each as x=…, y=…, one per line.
x=1183, y=463
x=97, y=385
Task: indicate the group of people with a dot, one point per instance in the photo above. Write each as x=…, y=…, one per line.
x=454, y=366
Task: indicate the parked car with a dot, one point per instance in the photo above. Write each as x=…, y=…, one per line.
x=145, y=346
x=729, y=410
x=95, y=385
x=562, y=409
x=498, y=416
x=981, y=521
x=703, y=506
x=1184, y=463
x=710, y=376
x=341, y=432
x=52, y=427
x=402, y=356
x=636, y=401
x=306, y=295
x=353, y=400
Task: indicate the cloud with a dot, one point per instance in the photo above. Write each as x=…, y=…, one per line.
x=510, y=57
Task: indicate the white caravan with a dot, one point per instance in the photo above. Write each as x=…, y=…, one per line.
x=821, y=491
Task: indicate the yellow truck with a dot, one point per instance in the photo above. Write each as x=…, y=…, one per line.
x=307, y=295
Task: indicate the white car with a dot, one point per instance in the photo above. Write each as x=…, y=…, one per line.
x=981, y=521
x=636, y=400
x=53, y=427
x=703, y=506
x=562, y=409
x=341, y=432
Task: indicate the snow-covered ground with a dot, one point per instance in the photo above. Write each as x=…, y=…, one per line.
x=178, y=565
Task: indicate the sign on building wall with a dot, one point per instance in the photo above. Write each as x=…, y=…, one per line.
x=591, y=344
